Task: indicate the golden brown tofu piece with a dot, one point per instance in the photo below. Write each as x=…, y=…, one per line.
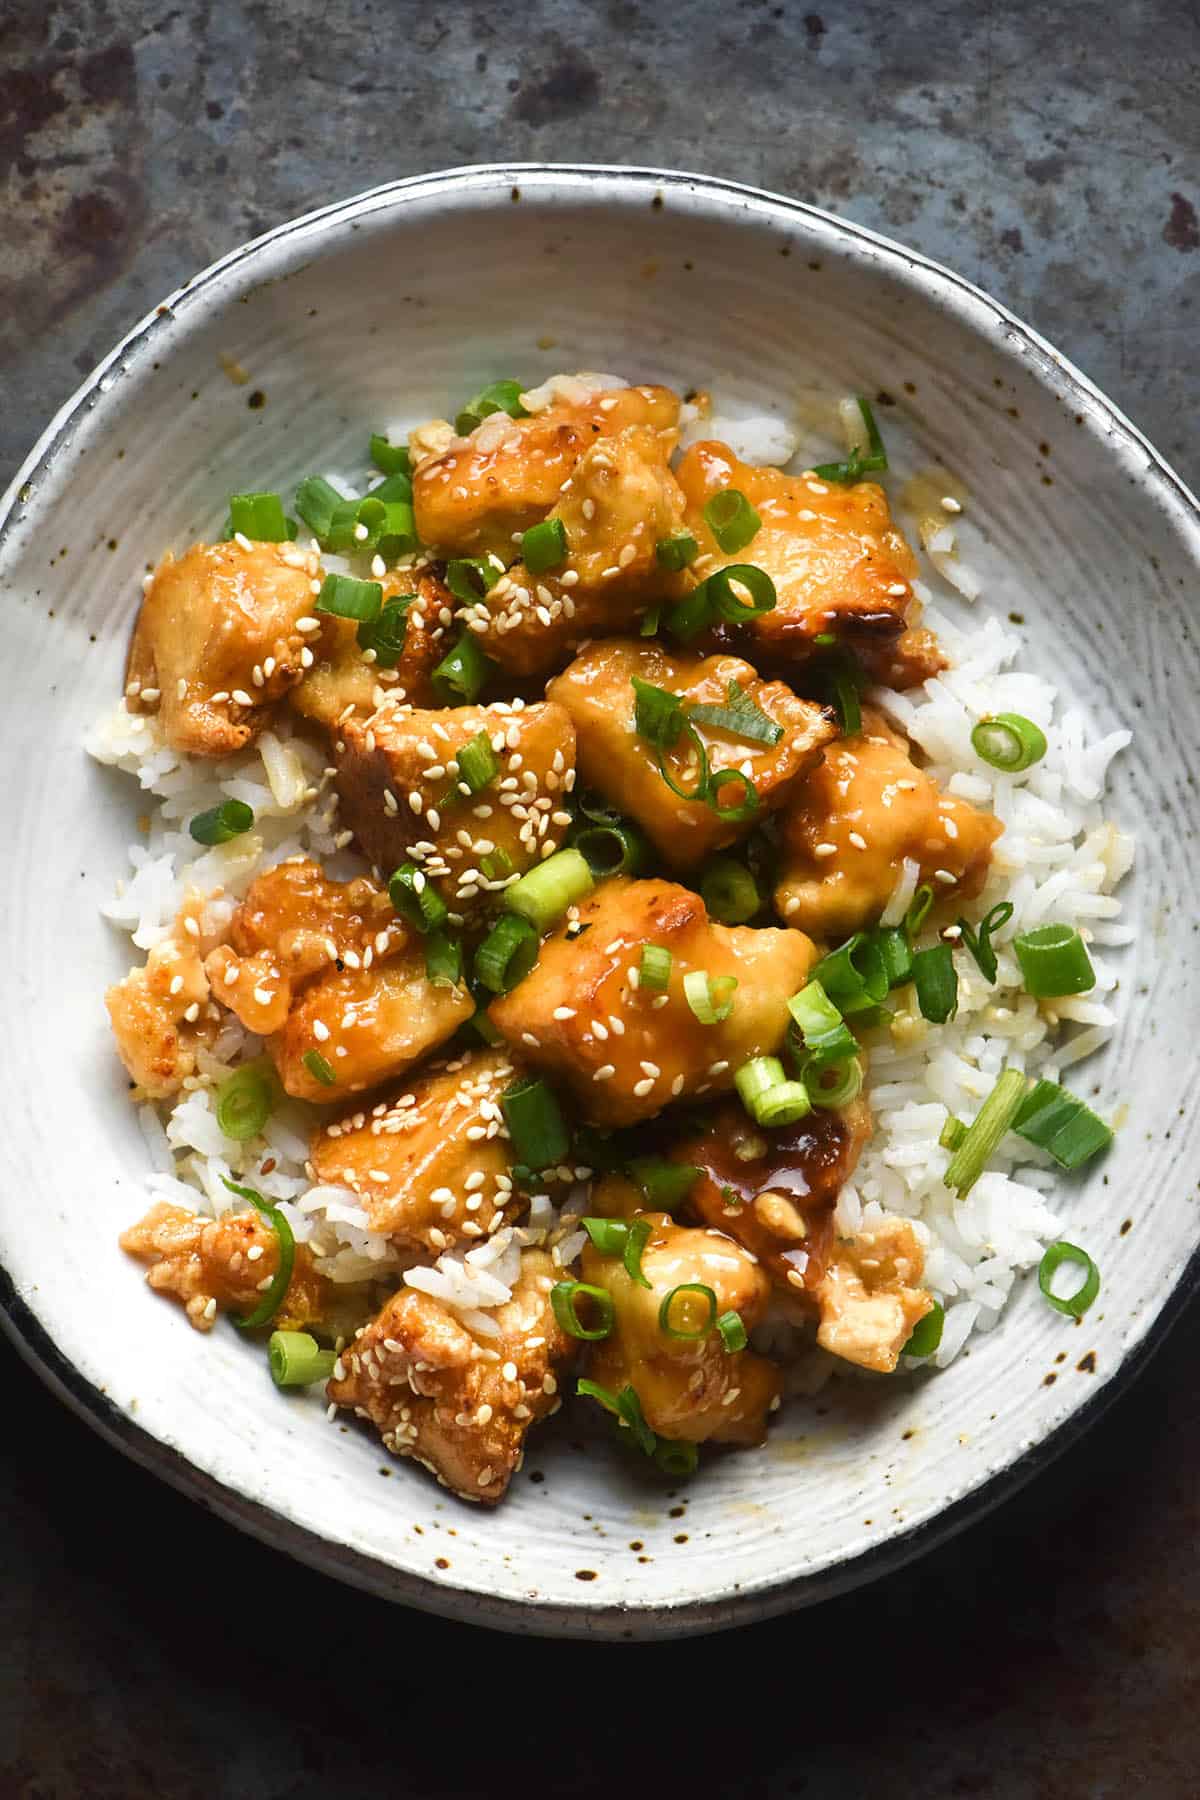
x=870, y=1297
x=854, y=823
x=838, y=562
x=597, y=692
x=621, y=500
x=294, y=924
x=775, y=1191
x=365, y=1026
x=459, y=1403
x=343, y=682
x=159, y=1016
x=904, y=662
x=689, y=1388
x=430, y=1165
x=225, y=1264
x=475, y=496
x=398, y=782
x=581, y=1018
x=218, y=641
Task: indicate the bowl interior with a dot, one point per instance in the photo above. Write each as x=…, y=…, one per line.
x=386, y=311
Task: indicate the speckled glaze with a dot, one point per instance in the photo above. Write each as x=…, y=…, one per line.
x=379, y=309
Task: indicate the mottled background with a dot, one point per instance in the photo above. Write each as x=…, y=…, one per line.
x=1052, y=153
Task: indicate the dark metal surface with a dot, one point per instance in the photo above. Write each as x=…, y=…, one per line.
x=1050, y=155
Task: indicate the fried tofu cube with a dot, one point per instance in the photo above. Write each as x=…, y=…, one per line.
x=473, y=497
x=457, y=1401
x=597, y=692
x=870, y=1298
x=838, y=562
x=225, y=1264
x=219, y=640
x=398, y=783
x=620, y=501
x=581, y=1018
x=689, y=1388
x=294, y=924
x=365, y=1026
x=854, y=823
x=343, y=682
x=775, y=1191
x=431, y=1167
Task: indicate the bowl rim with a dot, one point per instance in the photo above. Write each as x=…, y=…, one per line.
x=535, y=1615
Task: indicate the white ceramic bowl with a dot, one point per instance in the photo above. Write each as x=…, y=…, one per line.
x=390, y=305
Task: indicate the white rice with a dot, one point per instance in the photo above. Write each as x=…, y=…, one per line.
x=1059, y=857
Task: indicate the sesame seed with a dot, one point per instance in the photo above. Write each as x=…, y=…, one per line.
x=950, y=504
x=944, y=876
x=176, y=986
x=642, y=1088
x=239, y=694
x=825, y=850
x=898, y=589
x=858, y=840
x=320, y=1029
x=563, y=1012
x=677, y=1087
x=605, y=1072
x=509, y=1371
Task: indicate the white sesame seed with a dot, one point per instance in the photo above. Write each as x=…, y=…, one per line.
x=604, y=1073
x=945, y=876
x=950, y=504
x=825, y=850
x=858, y=840
x=563, y=1012
x=320, y=1031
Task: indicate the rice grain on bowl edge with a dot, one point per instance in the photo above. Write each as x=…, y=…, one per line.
x=1058, y=857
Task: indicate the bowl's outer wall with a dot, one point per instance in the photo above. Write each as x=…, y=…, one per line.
x=374, y=314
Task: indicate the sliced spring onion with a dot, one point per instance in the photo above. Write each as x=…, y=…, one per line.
x=835, y=1084
x=952, y=1133
x=732, y=520
x=733, y=1331
x=544, y=895
x=927, y=1332
x=741, y=715
x=593, y=1390
x=729, y=891
x=676, y=1456
x=636, y=1239
x=273, y=1298
x=936, y=981
x=676, y=552
x=608, y=1235
x=391, y=490
x=663, y=1182
x=462, y=674
x=535, y=1123
x=845, y=694
x=654, y=968
x=246, y=1100
x=650, y=619
x=738, y=811
x=565, y=1297
x=319, y=1068
x=478, y=763
x=1060, y=1123
x=469, y=578
x=318, y=503
x=768, y=1096
x=497, y=866
x=629, y=1411
x=1009, y=741
x=827, y=1037
x=993, y=1119
x=386, y=633
x=443, y=960
x=220, y=823
x=724, y=604
x=685, y=1330
x=657, y=713
x=616, y=849
x=479, y=1022
x=392, y=459
x=895, y=951
x=857, y=464
x=297, y=1360
x=507, y=954
x=693, y=742
x=979, y=943
x=1054, y=961
x=918, y=909
x=853, y=975
x=497, y=396
x=709, y=997
x=416, y=899
x=1076, y=1304
x=346, y=597
x=544, y=546
x=259, y=517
